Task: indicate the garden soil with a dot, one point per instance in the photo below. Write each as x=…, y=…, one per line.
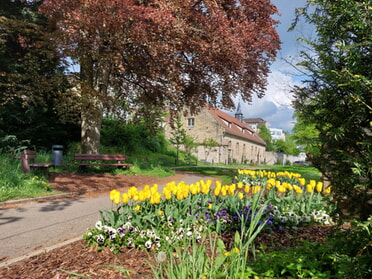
x=42, y=238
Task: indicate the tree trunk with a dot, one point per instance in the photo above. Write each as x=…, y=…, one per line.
x=91, y=110
x=90, y=133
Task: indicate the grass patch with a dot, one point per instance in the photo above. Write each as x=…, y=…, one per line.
x=15, y=185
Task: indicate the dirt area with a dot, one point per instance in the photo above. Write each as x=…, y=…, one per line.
x=94, y=184
x=83, y=260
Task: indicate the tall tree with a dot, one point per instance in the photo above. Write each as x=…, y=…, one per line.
x=178, y=136
x=30, y=76
x=337, y=98
x=165, y=53
x=265, y=134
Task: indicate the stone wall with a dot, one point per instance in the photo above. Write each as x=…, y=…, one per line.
x=272, y=158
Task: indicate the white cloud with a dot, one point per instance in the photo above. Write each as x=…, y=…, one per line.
x=275, y=107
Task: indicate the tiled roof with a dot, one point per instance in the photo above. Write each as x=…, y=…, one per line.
x=234, y=127
x=254, y=120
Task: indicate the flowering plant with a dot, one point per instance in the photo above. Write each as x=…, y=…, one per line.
x=295, y=201
x=147, y=218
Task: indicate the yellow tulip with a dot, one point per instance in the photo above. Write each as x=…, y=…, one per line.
x=161, y=212
x=223, y=191
x=281, y=189
x=113, y=194
x=240, y=195
x=205, y=188
x=125, y=198
x=328, y=190
x=287, y=185
x=132, y=192
x=297, y=189
x=217, y=190
x=142, y=196
x=247, y=189
x=231, y=190
x=167, y=194
x=319, y=187
x=117, y=199
x=185, y=191
x=193, y=189
x=179, y=195
x=154, y=188
x=302, y=181
x=256, y=189
x=137, y=208
x=309, y=188
x=155, y=198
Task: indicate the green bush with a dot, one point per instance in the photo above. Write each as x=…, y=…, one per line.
x=131, y=138
x=346, y=255
x=15, y=184
x=10, y=144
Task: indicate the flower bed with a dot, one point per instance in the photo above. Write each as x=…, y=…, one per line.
x=256, y=201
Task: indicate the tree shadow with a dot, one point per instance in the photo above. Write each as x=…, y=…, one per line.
x=58, y=205
x=7, y=220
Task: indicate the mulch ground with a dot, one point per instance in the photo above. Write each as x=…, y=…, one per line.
x=78, y=259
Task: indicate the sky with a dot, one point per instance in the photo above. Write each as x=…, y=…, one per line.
x=275, y=107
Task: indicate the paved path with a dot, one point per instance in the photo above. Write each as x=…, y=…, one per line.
x=31, y=228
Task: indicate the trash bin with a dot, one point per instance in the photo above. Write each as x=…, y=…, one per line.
x=57, y=155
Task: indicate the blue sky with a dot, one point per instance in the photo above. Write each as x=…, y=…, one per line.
x=275, y=107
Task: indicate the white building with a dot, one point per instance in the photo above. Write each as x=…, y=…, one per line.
x=277, y=134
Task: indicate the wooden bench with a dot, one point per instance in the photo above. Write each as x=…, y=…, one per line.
x=28, y=161
x=87, y=160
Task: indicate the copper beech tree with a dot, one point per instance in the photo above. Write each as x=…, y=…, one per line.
x=158, y=53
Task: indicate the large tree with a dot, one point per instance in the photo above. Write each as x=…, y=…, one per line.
x=164, y=53
x=31, y=76
x=337, y=98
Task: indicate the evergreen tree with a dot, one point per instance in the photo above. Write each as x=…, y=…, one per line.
x=337, y=98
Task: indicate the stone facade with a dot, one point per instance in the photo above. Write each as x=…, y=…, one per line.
x=222, y=138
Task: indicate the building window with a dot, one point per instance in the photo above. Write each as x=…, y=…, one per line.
x=190, y=122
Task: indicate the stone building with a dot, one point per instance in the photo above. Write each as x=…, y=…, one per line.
x=222, y=138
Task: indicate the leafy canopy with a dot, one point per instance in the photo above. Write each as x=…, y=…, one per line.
x=175, y=53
